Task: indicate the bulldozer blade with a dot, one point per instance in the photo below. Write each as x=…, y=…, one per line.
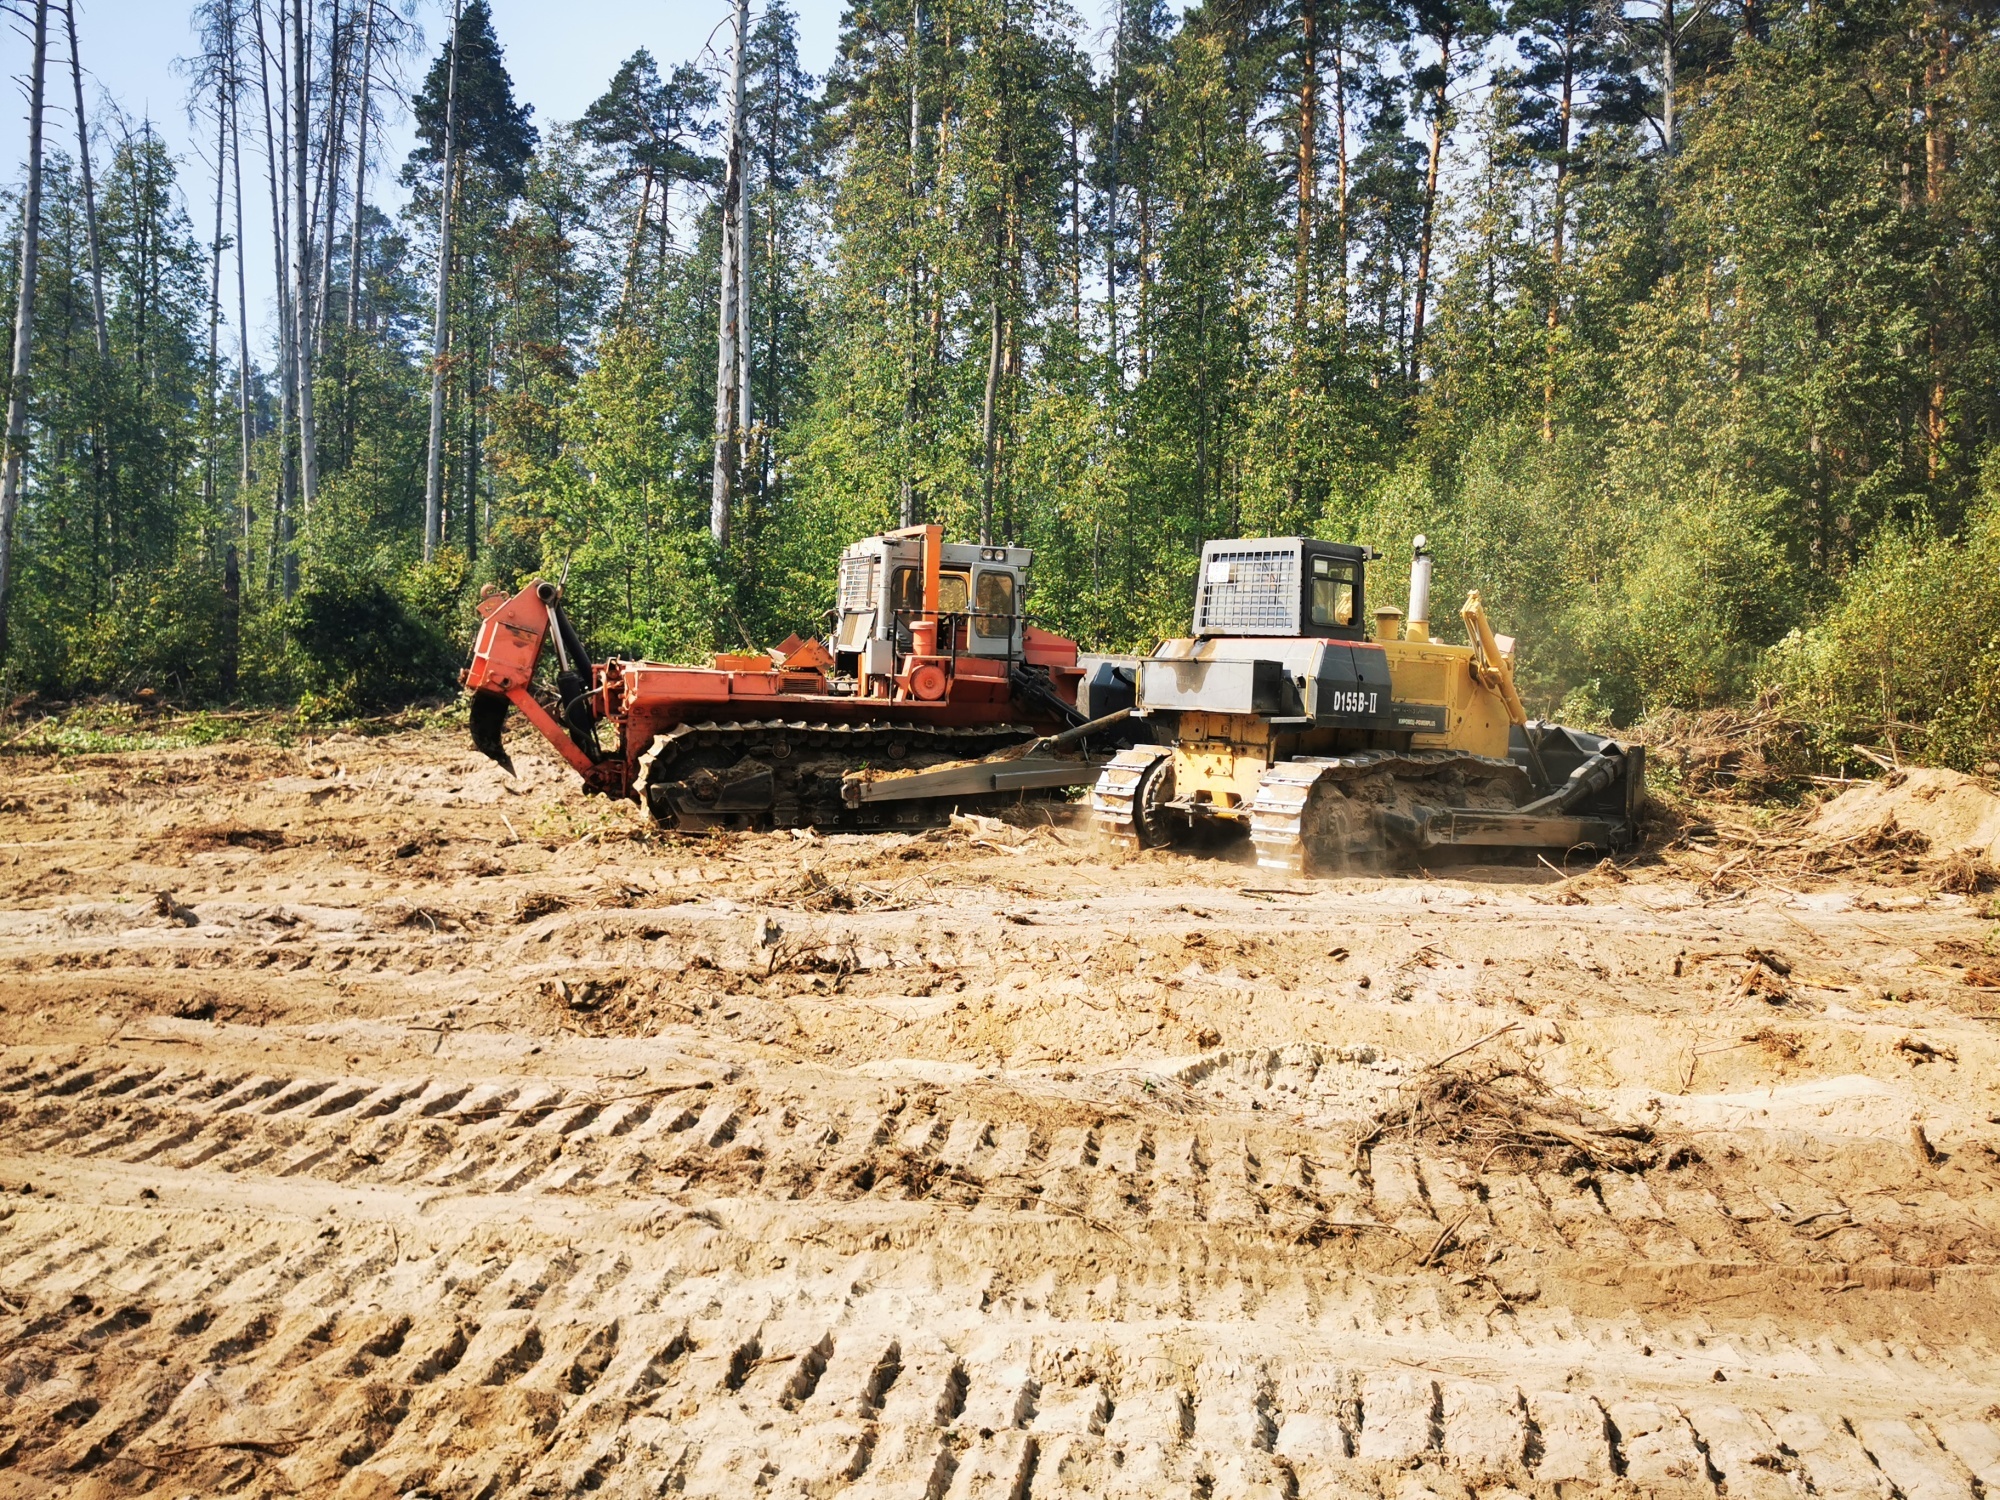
x=489, y=717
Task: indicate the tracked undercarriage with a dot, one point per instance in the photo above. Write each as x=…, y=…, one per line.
x=1314, y=815
x=780, y=773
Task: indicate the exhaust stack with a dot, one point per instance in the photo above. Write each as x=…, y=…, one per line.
x=1419, y=626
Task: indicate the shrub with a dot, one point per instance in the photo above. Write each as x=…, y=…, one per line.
x=360, y=644
x=1909, y=655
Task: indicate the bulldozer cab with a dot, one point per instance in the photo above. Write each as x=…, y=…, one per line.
x=1281, y=586
x=980, y=594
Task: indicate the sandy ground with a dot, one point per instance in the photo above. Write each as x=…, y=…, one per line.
x=372, y=1124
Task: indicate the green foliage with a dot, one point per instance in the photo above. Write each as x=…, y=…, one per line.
x=1910, y=655
x=1696, y=411
x=359, y=643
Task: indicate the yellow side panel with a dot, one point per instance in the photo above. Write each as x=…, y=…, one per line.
x=1226, y=778
x=1475, y=717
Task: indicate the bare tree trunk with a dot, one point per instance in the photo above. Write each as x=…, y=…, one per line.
x=1111, y=198
x=1439, y=101
x=746, y=348
x=1145, y=330
x=98, y=324
x=1308, y=172
x=247, y=476
x=987, y=414
x=1075, y=236
x=907, y=509
x=360, y=169
x=473, y=360
x=1002, y=245
x=1559, y=210
x=728, y=414
x=232, y=621
x=302, y=338
x=24, y=321
x=638, y=238
x=1668, y=40
x=441, y=325
x=1340, y=154
x=212, y=465
x=277, y=158
x=333, y=151
x=102, y=472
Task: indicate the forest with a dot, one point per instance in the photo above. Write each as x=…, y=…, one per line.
x=1674, y=324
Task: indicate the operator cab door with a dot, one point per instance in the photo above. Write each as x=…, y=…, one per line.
x=994, y=621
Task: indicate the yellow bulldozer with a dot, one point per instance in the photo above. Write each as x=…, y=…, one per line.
x=1336, y=747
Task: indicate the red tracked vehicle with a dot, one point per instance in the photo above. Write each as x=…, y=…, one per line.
x=930, y=662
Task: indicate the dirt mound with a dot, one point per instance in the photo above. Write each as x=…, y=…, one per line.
x=1952, y=812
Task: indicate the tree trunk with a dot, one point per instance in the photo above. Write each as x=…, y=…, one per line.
x=24, y=320
x=1438, y=105
x=333, y=149
x=210, y=468
x=302, y=314
x=247, y=477
x=1937, y=158
x=360, y=170
x=1559, y=209
x=638, y=238
x=277, y=157
x=1144, y=190
x=1002, y=246
x=1340, y=154
x=102, y=471
x=98, y=324
x=987, y=427
x=1308, y=170
x=440, y=323
x=1075, y=237
x=1111, y=198
x=729, y=315
x=746, y=347
x=906, y=481
x=1668, y=39
x=472, y=384
x=232, y=622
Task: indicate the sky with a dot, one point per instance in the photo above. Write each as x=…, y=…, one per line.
x=561, y=54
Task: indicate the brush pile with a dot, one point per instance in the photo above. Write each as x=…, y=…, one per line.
x=1502, y=1114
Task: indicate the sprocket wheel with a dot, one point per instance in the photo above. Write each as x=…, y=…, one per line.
x=1153, y=822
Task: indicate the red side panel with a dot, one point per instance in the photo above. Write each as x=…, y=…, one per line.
x=511, y=632
x=1042, y=648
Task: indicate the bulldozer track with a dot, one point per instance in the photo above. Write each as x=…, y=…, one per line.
x=1304, y=819
x=370, y=1133
x=417, y=1290
x=715, y=1134
x=1116, y=801
x=805, y=762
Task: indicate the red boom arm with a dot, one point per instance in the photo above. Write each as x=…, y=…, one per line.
x=511, y=633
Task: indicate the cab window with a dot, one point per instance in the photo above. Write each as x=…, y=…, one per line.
x=907, y=592
x=995, y=596
x=1332, y=596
